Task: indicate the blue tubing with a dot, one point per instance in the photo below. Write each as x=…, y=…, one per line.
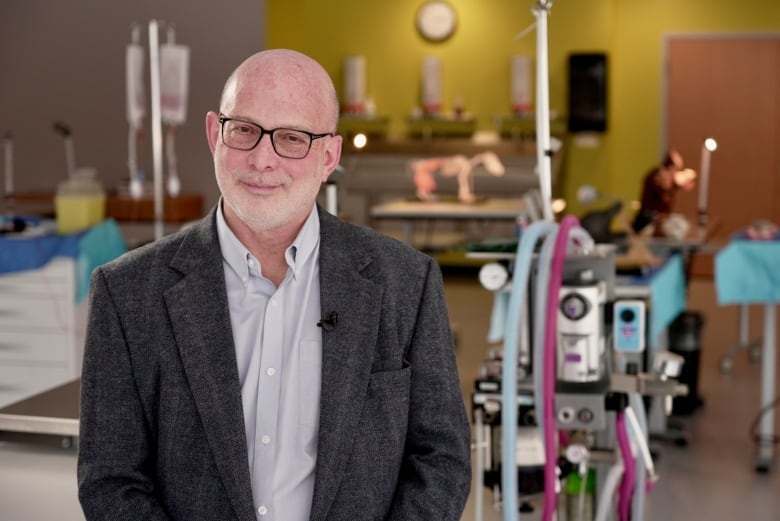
x=517, y=299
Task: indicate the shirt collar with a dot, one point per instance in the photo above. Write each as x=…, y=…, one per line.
x=236, y=254
x=305, y=244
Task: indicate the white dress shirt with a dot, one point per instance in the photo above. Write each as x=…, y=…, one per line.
x=279, y=354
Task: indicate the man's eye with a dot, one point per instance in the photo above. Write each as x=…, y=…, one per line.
x=244, y=129
x=292, y=138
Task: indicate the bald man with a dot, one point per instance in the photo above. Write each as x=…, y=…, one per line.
x=272, y=362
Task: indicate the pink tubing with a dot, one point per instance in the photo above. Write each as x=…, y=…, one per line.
x=550, y=340
x=629, y=468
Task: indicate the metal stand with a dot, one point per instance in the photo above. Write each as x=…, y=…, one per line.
x=736, y=267
x=157, y=140
x=543, y=150
x=332, y=190
x=753, y=347
x=763, y=462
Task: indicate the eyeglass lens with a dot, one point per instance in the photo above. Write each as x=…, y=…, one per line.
x=245, y=136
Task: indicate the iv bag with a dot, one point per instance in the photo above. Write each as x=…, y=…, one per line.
x=134, y=68
x=431, y=85
x=354, y=84
x=520, y=83
x=174, y=82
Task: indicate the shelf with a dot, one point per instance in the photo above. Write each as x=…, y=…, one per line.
x=186, y=207
x=442, y=127
x=183, y=208
x=375, y=126
x=440, y=146
x=525, y=126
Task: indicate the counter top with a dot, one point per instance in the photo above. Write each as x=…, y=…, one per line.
x=444, y=146
x=55, y=411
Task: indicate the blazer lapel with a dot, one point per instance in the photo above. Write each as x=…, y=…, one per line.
x=200, y=320
x=345, y=365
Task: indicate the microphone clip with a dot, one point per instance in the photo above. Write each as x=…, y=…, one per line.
x=329, y=321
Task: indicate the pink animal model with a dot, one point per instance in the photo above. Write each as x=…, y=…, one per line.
x=454, y=166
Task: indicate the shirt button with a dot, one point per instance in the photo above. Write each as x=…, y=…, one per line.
x=262, y=510
x=266, y=440
x=274, y=303
x=251, y=263
x=270, y=371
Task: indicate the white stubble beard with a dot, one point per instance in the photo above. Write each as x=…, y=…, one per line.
x=262, y=214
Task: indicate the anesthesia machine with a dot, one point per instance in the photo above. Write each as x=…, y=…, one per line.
x=559, y=412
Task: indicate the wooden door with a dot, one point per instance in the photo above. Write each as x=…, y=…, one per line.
x=727, y=87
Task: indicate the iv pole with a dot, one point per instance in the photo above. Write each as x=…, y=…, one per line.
x=543, y=151
x=543, y=148
x=168, y=55
x=157, y=145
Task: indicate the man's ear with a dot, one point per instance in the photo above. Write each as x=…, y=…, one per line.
x=213, y=129
x=332, y=156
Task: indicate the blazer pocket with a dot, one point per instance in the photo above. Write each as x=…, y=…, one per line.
x=381, y=432
x=388, y=395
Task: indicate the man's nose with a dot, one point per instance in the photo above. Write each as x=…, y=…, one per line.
x=264, y=151
x=268, y=144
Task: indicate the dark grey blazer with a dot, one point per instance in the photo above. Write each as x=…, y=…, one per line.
x=162, y=429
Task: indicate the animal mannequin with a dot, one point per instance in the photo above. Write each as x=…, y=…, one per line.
x=454, y=166
x=598, y=224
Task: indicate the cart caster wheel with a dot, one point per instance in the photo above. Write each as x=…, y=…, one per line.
x=755, y=354
x=655, y=455
x=726, y=365
x=762, y=467
x=762, y=463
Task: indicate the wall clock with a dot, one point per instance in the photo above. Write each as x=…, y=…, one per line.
x=436, y=20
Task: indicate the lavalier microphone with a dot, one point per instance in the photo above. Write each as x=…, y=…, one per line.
x=329, y=321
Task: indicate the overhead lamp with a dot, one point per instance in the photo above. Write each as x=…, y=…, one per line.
x=359, y=140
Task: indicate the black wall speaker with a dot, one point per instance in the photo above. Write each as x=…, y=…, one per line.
x=588, y=92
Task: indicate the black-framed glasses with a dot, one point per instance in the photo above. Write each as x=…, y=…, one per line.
x=287, y=142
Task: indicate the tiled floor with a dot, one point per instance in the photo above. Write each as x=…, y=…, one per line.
x=711, y=479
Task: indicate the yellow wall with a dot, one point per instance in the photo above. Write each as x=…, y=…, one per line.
x=475, y=62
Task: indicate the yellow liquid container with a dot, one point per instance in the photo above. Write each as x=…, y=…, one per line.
x=80, y=203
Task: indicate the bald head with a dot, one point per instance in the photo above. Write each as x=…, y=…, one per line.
x=289, y=74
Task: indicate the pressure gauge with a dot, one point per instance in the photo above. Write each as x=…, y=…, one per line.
x=574, y=306
x=577, y=453
x=493, y=276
